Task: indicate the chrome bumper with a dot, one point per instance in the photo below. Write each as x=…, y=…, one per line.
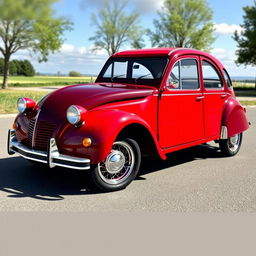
x=52, y=157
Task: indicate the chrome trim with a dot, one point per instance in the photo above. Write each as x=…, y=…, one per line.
x=52, y=152
x=11, y=135
x=224, y=133
x=52, y=158
x=180, y=94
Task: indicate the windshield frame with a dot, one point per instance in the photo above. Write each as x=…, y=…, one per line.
x=135, y=81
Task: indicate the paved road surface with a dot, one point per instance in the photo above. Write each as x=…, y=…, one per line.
x=194, y=180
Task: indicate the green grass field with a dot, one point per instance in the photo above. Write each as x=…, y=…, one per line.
x=22, y=81
x=8, y=99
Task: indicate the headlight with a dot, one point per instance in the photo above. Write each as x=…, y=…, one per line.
x=25, y=105
x=21, y=105
x=75, y=115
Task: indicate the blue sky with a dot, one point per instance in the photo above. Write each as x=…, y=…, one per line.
x=76, y=52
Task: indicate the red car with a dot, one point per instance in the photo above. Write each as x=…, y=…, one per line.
x=144, y=102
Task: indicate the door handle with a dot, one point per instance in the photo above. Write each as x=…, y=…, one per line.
x=200, y=98
x=223, y=96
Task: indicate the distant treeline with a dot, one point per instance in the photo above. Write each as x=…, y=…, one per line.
x=18, y=68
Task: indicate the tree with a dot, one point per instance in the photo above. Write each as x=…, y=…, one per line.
x=183, y=23
x=29, y=25
x=75, y=74
x=115, y=28
x=27, y=68
x=246, y=53
x=1, y=66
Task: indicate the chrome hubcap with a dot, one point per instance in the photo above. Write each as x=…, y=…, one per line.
x=118, y=165
x=233, y=142
x=115, y=162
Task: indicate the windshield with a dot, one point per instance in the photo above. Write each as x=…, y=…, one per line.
x=139, y=70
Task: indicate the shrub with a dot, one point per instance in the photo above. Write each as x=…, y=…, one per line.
x=74, y=74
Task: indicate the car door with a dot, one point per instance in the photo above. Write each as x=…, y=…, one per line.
x=215, y=96
x=180, y=118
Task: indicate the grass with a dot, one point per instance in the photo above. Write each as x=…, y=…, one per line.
x=248, y=103
x=22, y=81
x=8, y=99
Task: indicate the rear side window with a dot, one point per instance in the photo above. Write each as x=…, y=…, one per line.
x=184, y=75
x=211, y=76
x=227, y=78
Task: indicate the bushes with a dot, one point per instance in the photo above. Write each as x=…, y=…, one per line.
x=18, y=67
x=75, y=74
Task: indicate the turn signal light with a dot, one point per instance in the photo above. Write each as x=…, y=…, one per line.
x=87, y=142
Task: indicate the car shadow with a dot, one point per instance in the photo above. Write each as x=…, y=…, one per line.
x=203, y=151
x=20, y=178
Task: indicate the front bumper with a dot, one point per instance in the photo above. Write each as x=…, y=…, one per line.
x=52, y=157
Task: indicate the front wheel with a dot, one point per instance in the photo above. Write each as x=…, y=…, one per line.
x=120, y=167
x=231, y=146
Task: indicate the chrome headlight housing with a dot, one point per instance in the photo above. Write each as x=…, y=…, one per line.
x=21, y=105
x=75, y=115
x=26, y=105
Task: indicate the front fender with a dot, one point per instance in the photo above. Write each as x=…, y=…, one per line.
x=102, y=126
x=234, y=117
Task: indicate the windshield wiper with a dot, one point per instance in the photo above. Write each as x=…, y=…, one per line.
x=112, y=78
x=141, y=77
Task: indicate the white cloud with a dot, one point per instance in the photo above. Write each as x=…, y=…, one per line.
x=227, y=58
x=226, y=29
x=70, y=57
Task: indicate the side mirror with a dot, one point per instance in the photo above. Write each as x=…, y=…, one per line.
x=173, y=84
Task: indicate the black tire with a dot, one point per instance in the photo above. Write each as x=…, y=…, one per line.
x=119, y=168
x=231, y=146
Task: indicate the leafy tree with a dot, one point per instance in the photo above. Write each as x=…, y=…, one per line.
x=247, y=39
x=74, y=74
x=31, y=25
x=183, y=23
x=115, y=28
x=13, y=68
x=27, y=68
x=1, y=66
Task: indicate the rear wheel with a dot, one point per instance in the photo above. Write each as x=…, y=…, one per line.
x=231, y=146
x=120, y=167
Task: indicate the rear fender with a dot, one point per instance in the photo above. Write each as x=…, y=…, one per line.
x=234, y=119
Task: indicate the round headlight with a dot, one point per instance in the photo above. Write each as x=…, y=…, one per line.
x=21, y=105
x=73, y=115
x=26, y=105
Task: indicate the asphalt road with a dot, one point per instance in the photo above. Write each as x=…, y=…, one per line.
x=192, y=180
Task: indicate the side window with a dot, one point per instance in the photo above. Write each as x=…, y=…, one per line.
x=227, y=78
x=211, y=77
x=184, y=75
x=189, y=74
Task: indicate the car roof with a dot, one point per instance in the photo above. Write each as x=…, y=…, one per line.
x=154, y=52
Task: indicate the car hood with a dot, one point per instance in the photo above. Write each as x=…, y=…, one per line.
x=89, y=96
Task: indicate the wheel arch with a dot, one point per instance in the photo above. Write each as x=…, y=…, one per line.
x=143, y=137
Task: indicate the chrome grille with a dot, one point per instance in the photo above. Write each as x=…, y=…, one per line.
x=30, y=132
x=42, y=135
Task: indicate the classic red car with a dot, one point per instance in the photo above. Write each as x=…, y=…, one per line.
x=144, y=102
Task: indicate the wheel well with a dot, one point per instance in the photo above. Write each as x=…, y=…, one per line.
x=143, y=138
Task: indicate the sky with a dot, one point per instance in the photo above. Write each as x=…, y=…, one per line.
x=76, y=52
